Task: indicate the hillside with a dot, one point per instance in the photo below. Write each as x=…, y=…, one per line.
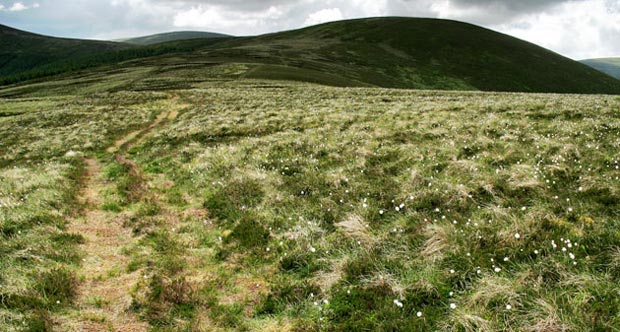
x=423, y=54
x=22, y=51
x=171, y=36
x=609, y=66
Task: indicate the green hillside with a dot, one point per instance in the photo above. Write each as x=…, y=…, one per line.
x=22, y=51
x=609, y=66
x=422, y=53
x=382, y=52
x=171, y=36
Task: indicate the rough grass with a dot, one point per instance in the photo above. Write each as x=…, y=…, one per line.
x=284, y=206
x=41, y=167
x=428, y=199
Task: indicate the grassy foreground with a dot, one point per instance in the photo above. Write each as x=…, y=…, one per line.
x=266, y=206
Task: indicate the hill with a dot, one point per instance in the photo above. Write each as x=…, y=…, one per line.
x=22, y=51
x=421, y=53
x=390, y=52
x=609, y=66
x=171, y=36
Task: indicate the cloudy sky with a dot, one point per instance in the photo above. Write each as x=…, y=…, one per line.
x=575, y=28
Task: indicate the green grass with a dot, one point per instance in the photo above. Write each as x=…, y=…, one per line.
x=282, y=206
x=43, y=142
x=303, y=186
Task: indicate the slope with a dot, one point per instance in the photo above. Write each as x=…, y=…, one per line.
x=391, y=52
x=171, y=36
x=422, y=53
x=609, y=66
x=21, y=51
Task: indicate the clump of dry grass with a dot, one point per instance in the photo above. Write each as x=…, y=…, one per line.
x=461, y=320
x=436, y=244
x=353, y=226
x=492, y=289
x=545, y=318
x=523, y=177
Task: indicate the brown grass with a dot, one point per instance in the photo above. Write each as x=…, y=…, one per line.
x=354, y=227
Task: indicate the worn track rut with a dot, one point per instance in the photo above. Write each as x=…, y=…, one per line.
x=105, y=292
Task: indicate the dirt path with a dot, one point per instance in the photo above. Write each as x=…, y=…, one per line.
x=104, y=295
x=105, y=291
x=127, y=139
x=137, y=137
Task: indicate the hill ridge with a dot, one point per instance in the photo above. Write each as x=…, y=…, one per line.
x=171, y=36
x=22, y=51
x=391, y=52
x=457, y=55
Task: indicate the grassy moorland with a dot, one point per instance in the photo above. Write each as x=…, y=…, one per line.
x=277, y=206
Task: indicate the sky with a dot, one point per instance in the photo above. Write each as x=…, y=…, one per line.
x=578, y=29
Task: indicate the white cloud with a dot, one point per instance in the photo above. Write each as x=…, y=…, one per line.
x=576, y=29
x=324, y=15
x=18, y=7
x=218, y=18
x=370, y=7
x=446, y=9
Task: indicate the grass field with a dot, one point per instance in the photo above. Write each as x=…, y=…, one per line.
x=247, y=205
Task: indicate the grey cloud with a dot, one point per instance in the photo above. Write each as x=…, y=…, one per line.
x=484, y=12
x=240, y=5
x=517, y=6
x=613, y=6
x=610, y=41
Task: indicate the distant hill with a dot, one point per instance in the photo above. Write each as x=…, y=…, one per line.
x=420, y=53
x=22, y=51
x=392, y=52
x=171, y=36
x=609, y=66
